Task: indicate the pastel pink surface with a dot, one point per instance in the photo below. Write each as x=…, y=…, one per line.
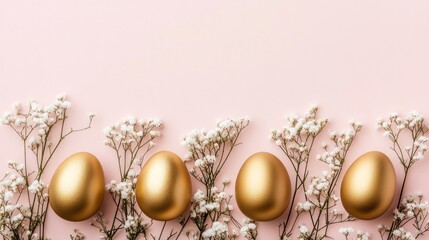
x=192, y=62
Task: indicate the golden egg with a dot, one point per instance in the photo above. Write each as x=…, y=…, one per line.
x=262, y=188
x=164, y=187
x=76, y=190
x=369, y=185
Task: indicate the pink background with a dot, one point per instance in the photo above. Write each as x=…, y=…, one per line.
x=192, y=62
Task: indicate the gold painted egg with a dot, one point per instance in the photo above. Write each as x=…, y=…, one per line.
x=76, y=191
x=164, y=188
x=369, y=185
x=262, y=188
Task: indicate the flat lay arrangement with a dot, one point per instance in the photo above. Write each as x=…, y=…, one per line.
x=214, y=120
x=158, y=188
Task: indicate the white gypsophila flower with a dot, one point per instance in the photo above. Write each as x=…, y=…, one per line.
x=132, y=130
x=36, y=186
x=226, y=130
x=304, y=207
x=414, y=123
x=208, y=233
x=296, y=126
x=207, y=151
x=77, y=235
x=16, y=166
x=217, y=229
x=303, y=229
x=130, y=222
x=362, y=235
x=226, y=181
x=123, y=189
x=248, y=229
x=199, y=196
x=12, y=182
x=346, y=231
x=402, y=234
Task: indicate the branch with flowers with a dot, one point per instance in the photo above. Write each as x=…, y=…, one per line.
x=296, y=140
x=23, y=196
x=348, y=233
x=77, y=235
x=411, y=211
x=321, y=201
x=211, y=209
x=131, y=139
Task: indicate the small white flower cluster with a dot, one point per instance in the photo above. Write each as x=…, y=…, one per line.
x=414, y=210
x=362, y=235
x=218, y=201
x=42, y=116
x=131, y=222
x=332, y=158
x=218, y=230
x=411, y=207
x=77, y=235
x=124, y=195
x=38, y=119
x=413, y=119
x=131, y=130
x=291, y=136
x=12, y=213
x=205, y=162
x=10, y=216
x=132, y=139
x=415, y=206
x=319, y=186
x=297, y=125
x=347, y=137
x=192, y=234
x=123, y=189
x=36, y=187
x=394, y=125
x=303, y=232
x=18, y=167
x=248, y=229
x=133, y=226
x=200, y=139
x=304, y=207
x=347, y=231
x=402, y=234
x=12, y=182
x=208, y=151
x=203, y=147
